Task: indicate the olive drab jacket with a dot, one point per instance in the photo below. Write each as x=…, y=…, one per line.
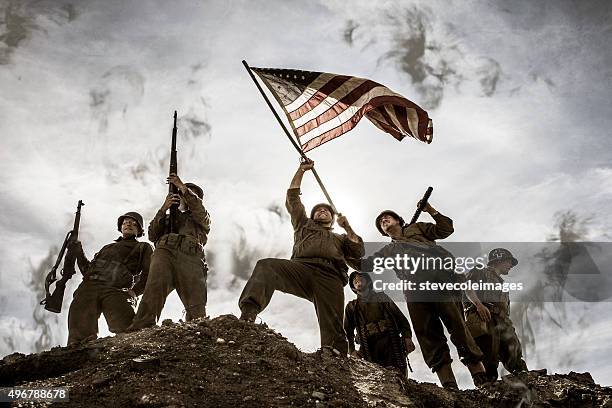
x=194, y=223
x=314, y=243
x=374, y=314
x=123, y=264
x=497, y=302
x=427, y=232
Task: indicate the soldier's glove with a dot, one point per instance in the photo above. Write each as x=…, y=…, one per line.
x=76, y=248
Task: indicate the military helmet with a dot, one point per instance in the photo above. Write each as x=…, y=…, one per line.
x=365, y=276
x=196, y=189
x=500, y=254
x=391, y=213
x=329, y=207
x=135, y=216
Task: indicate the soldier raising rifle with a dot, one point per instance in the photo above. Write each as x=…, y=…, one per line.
x=178, y=261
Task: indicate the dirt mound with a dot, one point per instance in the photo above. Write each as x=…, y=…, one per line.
x=224, y=362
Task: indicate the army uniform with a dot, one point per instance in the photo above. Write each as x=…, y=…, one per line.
x=117, y=267
x=430, y=316
x=497, y=338
x=178, y=262
x=379, y=324
x=316, y=272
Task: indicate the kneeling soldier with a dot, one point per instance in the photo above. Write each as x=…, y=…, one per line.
x=383, y=332
x=487, y=316
x=108, y=282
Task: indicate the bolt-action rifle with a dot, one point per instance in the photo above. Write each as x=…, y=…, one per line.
x=172, y=189
x=53, y=302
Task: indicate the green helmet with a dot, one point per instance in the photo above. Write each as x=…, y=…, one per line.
x=329, y=207
x=500, y=254
x=135, y=216
x=196, y=189
x=391, y=213
x=365, y=276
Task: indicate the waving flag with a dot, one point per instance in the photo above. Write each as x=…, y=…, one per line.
x=322, y=106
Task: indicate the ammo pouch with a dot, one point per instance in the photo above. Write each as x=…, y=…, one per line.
x=183, y=243
x=114, y=273
x=378, y=327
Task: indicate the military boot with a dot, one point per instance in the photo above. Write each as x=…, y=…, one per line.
x=447, y=378
x=248, y=313
x=479, y=374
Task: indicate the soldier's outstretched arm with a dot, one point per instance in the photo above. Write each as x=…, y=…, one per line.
x=293, y=203
x=296, y=181
x=441, y=229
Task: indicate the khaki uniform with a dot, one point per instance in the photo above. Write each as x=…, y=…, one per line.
x=497, y=338
x=178, y=262
x=379, y=324
x=317, y=272
x=430, y=315
x=116, y=268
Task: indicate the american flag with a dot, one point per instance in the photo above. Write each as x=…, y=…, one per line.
x=322, y=106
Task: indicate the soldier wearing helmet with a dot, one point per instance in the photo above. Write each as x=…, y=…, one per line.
x=430, y=312
x=375, y=322
x=488, y=316
x=178, y=261
x=317, y=270
x=111, y=281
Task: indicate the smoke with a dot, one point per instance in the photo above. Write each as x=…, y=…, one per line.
x=429, y=51
x=258, y=239
x=531, y=314
x=19, y=19
x=118, y=89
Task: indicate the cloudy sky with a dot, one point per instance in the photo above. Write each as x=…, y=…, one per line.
x=519, y=94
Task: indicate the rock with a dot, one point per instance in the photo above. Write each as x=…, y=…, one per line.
x=318, y=395
x=144, y=363
x=220, y=340
x=167, y=322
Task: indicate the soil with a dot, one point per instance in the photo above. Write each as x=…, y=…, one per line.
x=225, y=362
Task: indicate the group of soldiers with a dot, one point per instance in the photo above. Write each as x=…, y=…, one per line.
x=125, y=269
x=478, y=323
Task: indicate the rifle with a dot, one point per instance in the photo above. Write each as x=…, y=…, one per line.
x=53, y=302
x=172, y=189
x=422, y=205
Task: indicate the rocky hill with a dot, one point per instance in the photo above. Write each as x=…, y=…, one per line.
x=224, y=362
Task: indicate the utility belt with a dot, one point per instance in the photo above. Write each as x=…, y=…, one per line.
x=324, y=261
x=183, y=243
x=378, y=327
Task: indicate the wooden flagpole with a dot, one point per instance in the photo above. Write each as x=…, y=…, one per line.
x=293, y=142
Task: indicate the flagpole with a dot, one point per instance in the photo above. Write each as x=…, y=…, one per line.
x=293, y=142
